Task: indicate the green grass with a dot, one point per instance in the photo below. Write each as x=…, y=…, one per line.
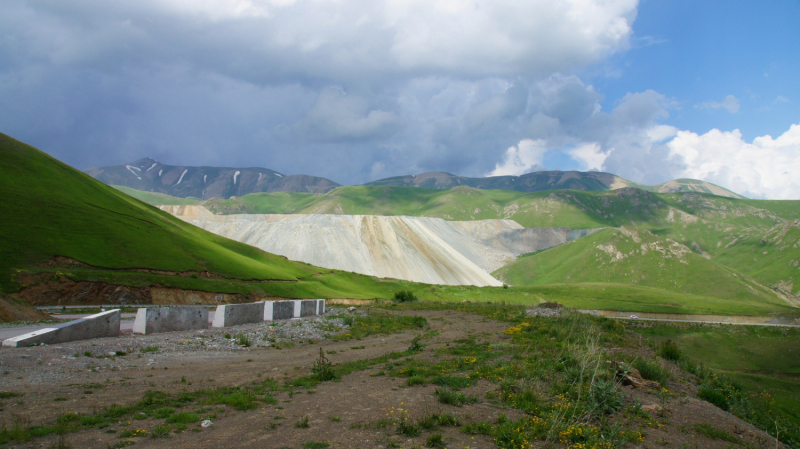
x=705, y=224
x=156, y=198
x=757, y=358
x=59, y=211
x=586, y=261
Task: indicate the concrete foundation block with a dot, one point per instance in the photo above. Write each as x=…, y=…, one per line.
x=100, y=325
x=154, y=320
x=320, y=307
x=297, y=308
x=282, y=310
x=235, y=314
x=308, y=307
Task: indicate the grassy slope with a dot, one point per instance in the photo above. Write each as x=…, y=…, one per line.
x=757, y=357
x=52, y=209
x=155, y=197
x=699, y=222
x=677, y=269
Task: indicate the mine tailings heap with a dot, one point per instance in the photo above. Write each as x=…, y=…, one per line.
x=419, y=249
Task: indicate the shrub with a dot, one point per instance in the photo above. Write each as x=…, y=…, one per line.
x=416, y=344
x=404, y=296
x=669, y=351
x=435, y=440
x=415, y=380
x=607, y=397
x=405, y=428
x=652, y=370
x=323, y=369
x=454, y=398
x=242, y=340
x=302, y=423
x=715, y=397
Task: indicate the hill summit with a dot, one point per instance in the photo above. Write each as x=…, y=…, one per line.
x=550, y=180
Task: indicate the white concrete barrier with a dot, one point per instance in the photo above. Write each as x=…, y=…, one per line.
x=234, y=314
x=293, y=308
x=170, y=319
x=101, y=325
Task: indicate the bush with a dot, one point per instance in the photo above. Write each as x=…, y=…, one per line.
x=435, y=440
x=323, y=368
x=607, y=397
x=715, y=397
x=454, y=398
x=404, y=296
x=669, y=351
x=652, y=370
x=243, y=340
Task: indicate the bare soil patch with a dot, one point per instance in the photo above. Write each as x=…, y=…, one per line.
x=362, y=409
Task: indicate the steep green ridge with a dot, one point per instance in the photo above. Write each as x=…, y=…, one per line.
x=51, y=209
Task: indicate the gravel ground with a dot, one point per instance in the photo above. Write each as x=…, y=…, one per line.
x=137, y=352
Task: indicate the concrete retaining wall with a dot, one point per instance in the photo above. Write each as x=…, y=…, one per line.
x=170, y=319
x=101, y=325
x=282, y=310
x=296, y=308
x=234, y=314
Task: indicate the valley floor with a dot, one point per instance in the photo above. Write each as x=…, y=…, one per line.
x=388, y=393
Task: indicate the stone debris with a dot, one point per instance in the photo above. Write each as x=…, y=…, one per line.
x=138, y=352
x=631, y=377
x=545, y=312
x=206, y=423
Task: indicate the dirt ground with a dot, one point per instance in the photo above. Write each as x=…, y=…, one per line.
x=346, y=413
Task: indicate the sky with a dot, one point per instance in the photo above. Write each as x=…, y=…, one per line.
x=358, y=90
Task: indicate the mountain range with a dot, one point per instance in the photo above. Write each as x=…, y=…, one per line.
x=205, y=182
x=224, y=182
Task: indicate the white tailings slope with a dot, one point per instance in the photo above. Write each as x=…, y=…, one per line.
x=420, y=249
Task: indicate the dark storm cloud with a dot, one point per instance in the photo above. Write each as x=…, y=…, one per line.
x=349, y=90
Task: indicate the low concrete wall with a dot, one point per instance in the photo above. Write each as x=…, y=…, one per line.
x=308, y=307
x=295, y=308
x=170, y=319
x=321, y=307
x=101, y=325
x=234, y=314
x=282, y=310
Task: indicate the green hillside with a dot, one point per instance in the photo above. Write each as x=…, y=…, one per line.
x=631, y=256
x=52, y=210
x=757, y=240
x=156, y=198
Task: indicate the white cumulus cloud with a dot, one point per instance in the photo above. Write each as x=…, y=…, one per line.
x=519, y=159
x=765, y=168
x=729, y=103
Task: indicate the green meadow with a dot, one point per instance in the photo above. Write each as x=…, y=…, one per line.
x=755, y=357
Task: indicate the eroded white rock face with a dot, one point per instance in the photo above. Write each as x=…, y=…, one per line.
x=420, y=249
